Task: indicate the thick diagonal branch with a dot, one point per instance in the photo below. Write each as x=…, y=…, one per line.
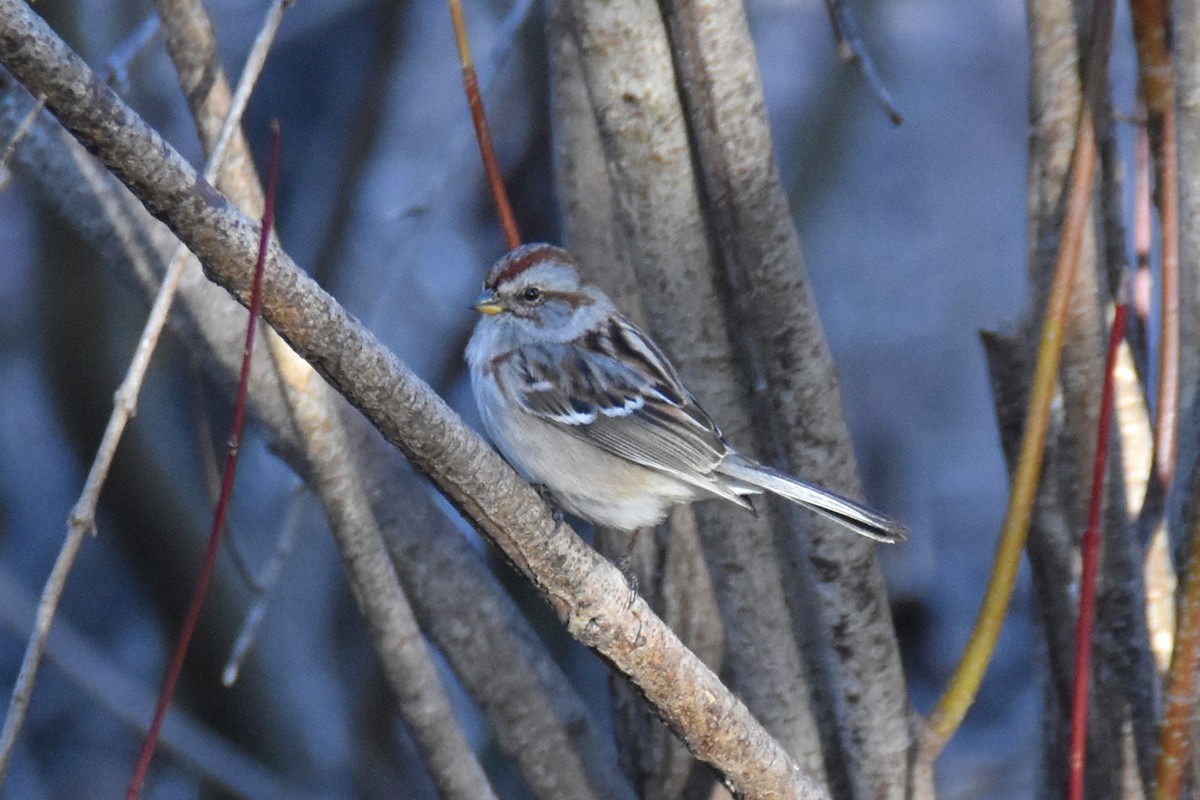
x=587, y=592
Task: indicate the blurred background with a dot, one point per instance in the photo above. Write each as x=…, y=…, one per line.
x=914, y=238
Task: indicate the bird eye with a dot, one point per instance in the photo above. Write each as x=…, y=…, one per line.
x=532, y=294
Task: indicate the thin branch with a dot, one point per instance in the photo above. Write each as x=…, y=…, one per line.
x=1176, y=758
x=1053, y=49
x=406, y=660
x=214, y=538
x=263, y=584
x=14, y=142
x=586, y=591
x=116, y=66
x=851, y=48
x=1166, y=417
x=486, y=152
x=109, y=684
x=1091, y=559
x=82, y=518
x=1156, y=87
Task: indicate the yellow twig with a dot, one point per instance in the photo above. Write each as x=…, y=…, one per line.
x=964, y=685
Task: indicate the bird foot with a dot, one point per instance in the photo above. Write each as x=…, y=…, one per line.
x=548, y=498
x=625, y=565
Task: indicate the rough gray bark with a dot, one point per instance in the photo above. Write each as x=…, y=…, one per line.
x=1185, y=18
x=590, y=219
x=798, y=414
x=1186, y=53
x=626, y=65
x=582, y=588
x=587, y=205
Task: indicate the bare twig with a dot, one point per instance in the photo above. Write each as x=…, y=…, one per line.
x=116, y=66
x=587, y=592
x=1091, y=559
x=1177, y=755
x=487, y=153
x=331, y=471
x=1156, y=86
x=851, y=48
x=262, y=585
x=218, y=524
x=82, y=518
x=14, y=141
x=1185, y=56
x=538, y=715
x=83, y=515
x=110, y=685
x=1179, y=699
x=1054, y=49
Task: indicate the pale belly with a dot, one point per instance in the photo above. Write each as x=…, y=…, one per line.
x=584, y=480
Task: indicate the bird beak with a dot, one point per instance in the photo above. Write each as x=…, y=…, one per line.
x=488, y=304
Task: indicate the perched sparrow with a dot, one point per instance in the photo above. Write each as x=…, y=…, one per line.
x=582, y=402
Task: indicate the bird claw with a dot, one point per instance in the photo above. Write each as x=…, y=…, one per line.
x=625, y=565
x=556, y=513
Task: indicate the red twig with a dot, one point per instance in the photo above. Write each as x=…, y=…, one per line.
x=1091, y=557
x=219, y=515
x=508, y=222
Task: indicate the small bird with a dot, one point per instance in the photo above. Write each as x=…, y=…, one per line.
x=582, y=402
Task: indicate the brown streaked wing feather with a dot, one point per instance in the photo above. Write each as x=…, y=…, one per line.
x=609, y=390
x=661, y=436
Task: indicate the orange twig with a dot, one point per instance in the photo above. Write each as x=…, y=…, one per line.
x=1175, y=739
x=210, y=556
x=471, y=86
x=1091, y=558
x=1167, y=409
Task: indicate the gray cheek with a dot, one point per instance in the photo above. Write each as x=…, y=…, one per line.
x=556, y=316
x=524, y=318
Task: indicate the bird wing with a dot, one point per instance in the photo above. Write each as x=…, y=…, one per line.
x=614, y=389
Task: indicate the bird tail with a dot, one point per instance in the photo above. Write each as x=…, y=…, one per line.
x=854, y=516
